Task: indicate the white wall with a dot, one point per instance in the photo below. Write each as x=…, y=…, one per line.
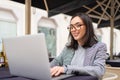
x=118, y=41
x=19, y=11
x=62, y=32
x=105, y=33
x=35, y=17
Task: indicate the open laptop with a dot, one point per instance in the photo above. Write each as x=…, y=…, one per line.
x=27, y=57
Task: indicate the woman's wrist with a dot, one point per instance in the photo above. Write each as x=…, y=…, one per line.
x=65, y=68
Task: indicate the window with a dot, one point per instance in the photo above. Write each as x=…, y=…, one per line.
x=48, y=27
x=50, y=36
x=8, y=26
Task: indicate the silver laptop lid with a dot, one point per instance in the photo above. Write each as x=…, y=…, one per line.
x=27, y=56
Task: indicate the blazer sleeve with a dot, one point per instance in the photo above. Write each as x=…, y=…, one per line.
x=97, y=68
x=57, y=61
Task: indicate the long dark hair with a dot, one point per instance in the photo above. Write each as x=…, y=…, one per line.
x=89, y=38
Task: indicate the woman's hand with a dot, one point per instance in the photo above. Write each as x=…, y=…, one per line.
x=57, y=70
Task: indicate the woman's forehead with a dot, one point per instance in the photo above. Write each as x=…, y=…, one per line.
x=76, y=20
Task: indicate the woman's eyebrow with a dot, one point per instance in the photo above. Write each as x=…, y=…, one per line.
x=76, y=23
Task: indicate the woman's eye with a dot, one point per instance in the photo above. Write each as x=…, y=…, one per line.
x=79, y=25
x=71, y=27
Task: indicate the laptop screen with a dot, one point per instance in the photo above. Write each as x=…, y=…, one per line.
x=27, y=56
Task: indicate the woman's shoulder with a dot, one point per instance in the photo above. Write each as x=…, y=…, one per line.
x=99, y=44
x=66, y=49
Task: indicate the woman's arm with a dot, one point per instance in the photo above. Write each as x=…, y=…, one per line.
x=57, y=61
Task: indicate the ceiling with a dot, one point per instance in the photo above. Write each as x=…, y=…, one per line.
x=99, y=10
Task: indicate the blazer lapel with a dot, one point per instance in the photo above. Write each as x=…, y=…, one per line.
x=88, y=55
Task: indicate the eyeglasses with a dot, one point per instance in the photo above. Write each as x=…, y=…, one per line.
x=76, y=26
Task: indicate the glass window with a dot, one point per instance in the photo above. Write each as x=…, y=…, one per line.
x=50, y=35
x=7, y=29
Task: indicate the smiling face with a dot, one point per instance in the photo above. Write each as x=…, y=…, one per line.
x=78, y=29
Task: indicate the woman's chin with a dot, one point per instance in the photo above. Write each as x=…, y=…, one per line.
x=76, y=38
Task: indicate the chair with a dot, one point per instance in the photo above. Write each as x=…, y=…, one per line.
x=115, y=70
x=110, y=76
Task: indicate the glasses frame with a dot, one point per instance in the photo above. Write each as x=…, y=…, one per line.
x=76, y=26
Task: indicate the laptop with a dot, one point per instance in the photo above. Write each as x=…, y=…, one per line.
x=28, y=57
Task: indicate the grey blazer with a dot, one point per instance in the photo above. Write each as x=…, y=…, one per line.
x=94, y=62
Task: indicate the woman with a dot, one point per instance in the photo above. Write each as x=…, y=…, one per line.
x=83, y=54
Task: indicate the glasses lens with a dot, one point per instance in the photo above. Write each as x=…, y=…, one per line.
x=71, y=27
x=78, y=26
x=75, y=26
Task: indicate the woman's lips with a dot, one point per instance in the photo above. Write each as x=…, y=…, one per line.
x=75, y=34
